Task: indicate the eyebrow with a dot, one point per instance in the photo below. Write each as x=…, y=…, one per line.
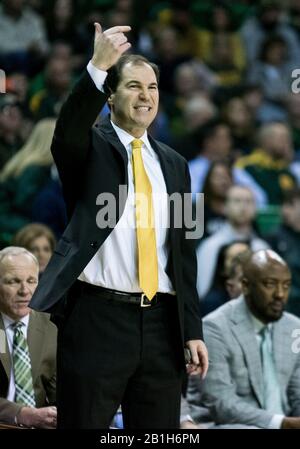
x=276, y=280
x=154, y=83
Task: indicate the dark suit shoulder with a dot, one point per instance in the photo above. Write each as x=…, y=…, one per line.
x=171, y=152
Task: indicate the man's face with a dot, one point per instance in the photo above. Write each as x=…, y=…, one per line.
x=41, y=248
x=221, y=142
x=279, y=143
x=240, y=206
x=266, y=291
x=18, y=281
x=134, y=104
x=234, y=283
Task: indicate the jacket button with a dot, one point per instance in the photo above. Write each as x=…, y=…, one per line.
x=94, y=244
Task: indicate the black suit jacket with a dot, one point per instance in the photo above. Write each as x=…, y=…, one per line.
x=90, y=160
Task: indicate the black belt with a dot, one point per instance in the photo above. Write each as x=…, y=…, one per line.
x=139, y=299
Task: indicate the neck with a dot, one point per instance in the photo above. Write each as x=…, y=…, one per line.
x=133, y=131
x=243, y=228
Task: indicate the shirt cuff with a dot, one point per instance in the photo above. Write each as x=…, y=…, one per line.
x=184, y=418
x=97, y=75
x=276, y=422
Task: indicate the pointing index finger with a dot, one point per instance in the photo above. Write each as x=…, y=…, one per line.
x=118, y=29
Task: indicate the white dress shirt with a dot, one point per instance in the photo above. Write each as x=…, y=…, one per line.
x=277, y=419
x=9, y=330
x=114, y=266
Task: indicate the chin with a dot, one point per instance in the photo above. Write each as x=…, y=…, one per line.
x=274, y=316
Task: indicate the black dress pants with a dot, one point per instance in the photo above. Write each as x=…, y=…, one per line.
x=112, y=353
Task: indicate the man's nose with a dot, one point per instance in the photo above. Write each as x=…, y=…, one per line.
x=279, y=292
x=24, y=289
x=144, y=93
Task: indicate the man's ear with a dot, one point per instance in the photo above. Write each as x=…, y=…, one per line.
x=110, y=100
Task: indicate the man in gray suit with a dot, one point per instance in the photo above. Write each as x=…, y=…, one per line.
x=254, y=347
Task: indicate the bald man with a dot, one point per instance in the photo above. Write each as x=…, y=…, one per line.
x=27, y=346
x=254, y=347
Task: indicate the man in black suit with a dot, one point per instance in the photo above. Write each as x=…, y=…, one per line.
x=128, y=301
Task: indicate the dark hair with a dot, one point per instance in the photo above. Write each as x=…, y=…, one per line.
x=268, y=43
x=206, y=185
x=239, y=261
x=289, y=196
x=208, y=130
x=114, y=74
x=220, y=274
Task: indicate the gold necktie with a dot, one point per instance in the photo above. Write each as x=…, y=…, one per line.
x=145, y=226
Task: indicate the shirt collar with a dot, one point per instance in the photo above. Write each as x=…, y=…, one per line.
x=259, y=325
x=7, y=321
x=127, y=138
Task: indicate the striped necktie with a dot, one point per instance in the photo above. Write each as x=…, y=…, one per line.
x=145, y=226
x=272, y=395
x=22, y=368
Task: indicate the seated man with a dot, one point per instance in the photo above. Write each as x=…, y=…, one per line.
x=254, y=375
x=27, y=346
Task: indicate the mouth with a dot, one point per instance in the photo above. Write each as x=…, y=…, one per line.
x=276, y=307
x=143, y=108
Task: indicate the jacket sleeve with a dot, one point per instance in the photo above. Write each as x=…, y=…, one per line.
x=192, y=315
x=71, y=141
x=8, y=411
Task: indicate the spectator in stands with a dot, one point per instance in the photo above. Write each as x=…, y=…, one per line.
x=273, y=74
x=238, y=116
x=294, y=16
x=240, y=212
x=233, y=283
x=216, y=185
x=49, y=206
x=58, y=77
x=286, y=241
x=28, y=350
x=197, y=111
x=168, y=57
x=60, y=22
x=293, y=107
x=218, y=293
x=268, y=21
x=22, y=178
x=22, y=37
x=269, y=165
x=190, y=78
x=214, y=143
x=11, y=119
x=220, y=27
x=39, y=240
x=254, y=378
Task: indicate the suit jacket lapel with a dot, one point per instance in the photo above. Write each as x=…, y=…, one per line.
x=167, y=166
x=280, y=339
x=4, y=355
x=245, y=334
x=113, y=139
x=35, y=338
